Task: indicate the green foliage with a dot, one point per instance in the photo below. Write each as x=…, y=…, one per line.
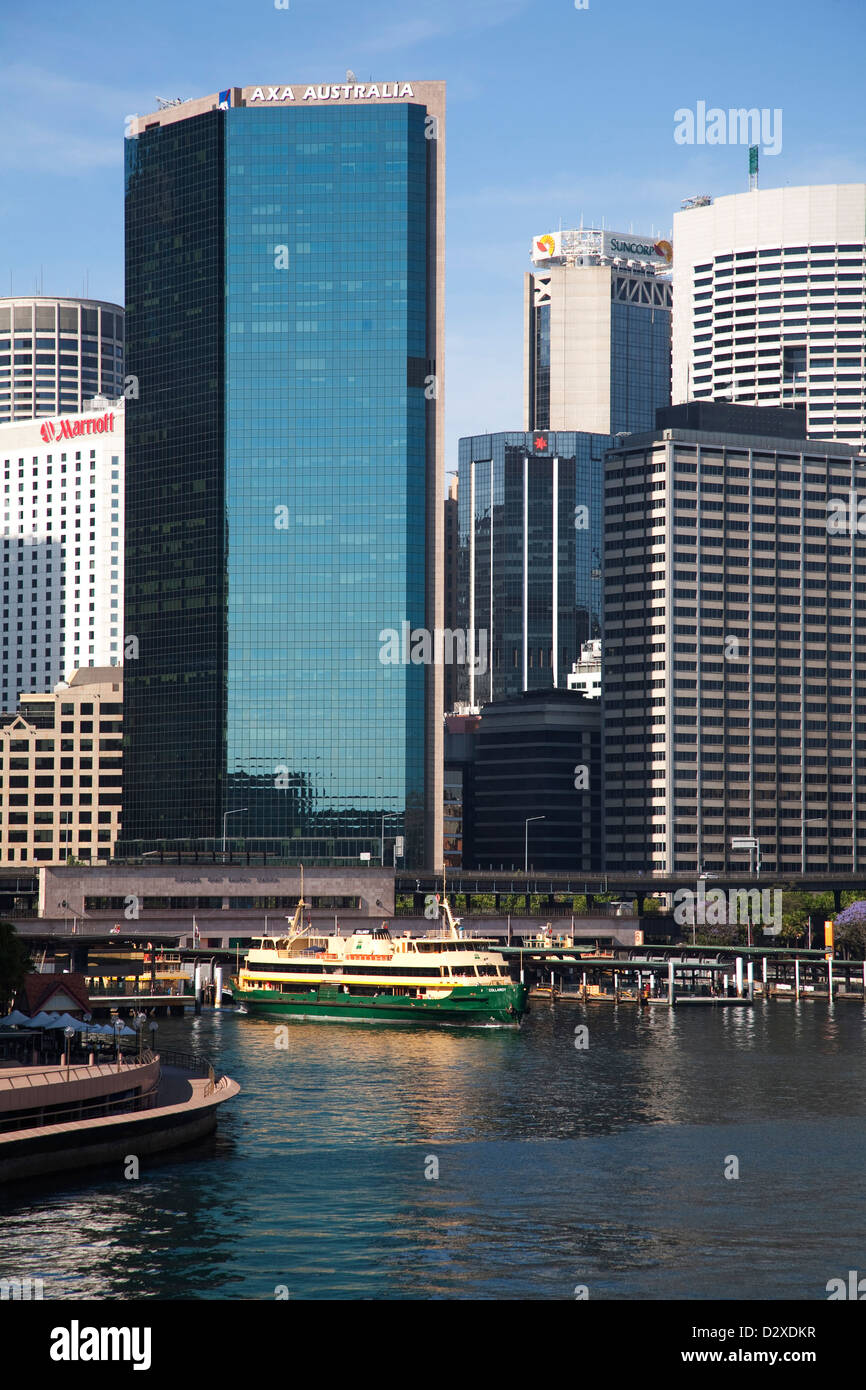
x=14, y=964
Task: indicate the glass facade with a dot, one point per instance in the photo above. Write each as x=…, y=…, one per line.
x=640, y=364
x=526, y=752
x=529, y=556
x=541, y=368
x=277, y=475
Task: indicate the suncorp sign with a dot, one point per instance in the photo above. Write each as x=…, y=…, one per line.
x=619, y=244
x=52, y=430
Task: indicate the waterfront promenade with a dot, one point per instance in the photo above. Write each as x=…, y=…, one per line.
x=59, y=1118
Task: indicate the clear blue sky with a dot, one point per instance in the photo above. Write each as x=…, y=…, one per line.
x=553, y=113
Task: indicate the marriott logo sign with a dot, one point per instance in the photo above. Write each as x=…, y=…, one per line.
x=72, y=429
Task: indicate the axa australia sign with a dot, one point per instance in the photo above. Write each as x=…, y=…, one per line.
x=340, y=91
x=53, y=430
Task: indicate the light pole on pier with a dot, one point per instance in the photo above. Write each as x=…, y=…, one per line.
x=526, y=840
x=226, y=815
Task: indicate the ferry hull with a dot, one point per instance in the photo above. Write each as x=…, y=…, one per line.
x=474, y=1008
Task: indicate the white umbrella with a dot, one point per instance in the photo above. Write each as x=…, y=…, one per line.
x=15, y=1019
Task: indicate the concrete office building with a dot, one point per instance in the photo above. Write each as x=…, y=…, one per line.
x=769, y=289
x=529, y=558
x=597, y=332
x=62, y=548
x=734, y=700
x=61, y=772
x=56, y=354
x=285, y=314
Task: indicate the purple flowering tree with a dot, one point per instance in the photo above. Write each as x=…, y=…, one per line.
x=850, y=928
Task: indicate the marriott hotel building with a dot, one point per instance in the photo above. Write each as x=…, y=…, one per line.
x=284, y=314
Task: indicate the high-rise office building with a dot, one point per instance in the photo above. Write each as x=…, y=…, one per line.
x=285, y=256
x=62, y=548
x=769, y=289
x=530, y=509
x=734, y=700
x=597, y=332
x=56, y=354
x=536, y=783
x=452, y=546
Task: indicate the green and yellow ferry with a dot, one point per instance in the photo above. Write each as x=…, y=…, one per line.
x=374, y=977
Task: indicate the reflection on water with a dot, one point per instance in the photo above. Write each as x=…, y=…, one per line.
x=557, y=1166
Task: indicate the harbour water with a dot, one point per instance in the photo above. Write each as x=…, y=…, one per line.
x=387, y=1162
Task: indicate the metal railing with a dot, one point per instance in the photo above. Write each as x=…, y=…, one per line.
x=187, y=1061
x=79, y=1110
x=76, y=1071
x=129, y=989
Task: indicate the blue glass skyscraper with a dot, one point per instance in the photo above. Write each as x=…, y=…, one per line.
x=284, y=301
x=529, y=587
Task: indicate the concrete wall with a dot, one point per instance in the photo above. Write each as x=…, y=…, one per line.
x=70, y=885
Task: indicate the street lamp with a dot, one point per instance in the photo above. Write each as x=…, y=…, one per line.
x=226, y=815
x=152, y=1027
x=804, y=848
x=118, y=1029
x=69, y=1034
x=526, y=840
x=752, y=844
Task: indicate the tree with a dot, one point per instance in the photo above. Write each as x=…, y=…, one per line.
x=849, y=928
x=798, y=908
x=14, y=964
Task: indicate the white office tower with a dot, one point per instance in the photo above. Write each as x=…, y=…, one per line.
x=768, y=295
x=62, y=548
